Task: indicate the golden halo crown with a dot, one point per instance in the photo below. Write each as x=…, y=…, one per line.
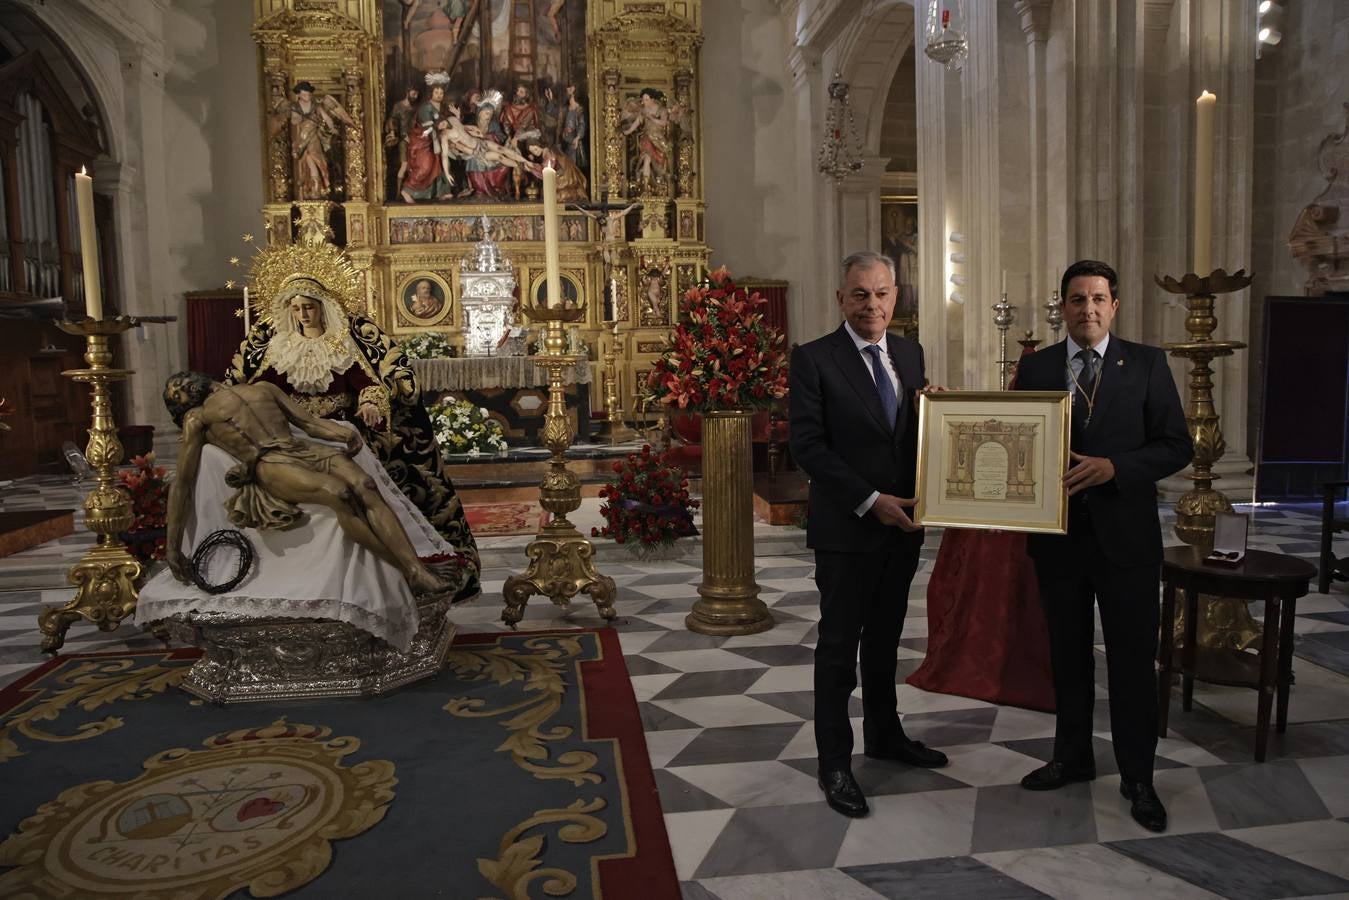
x=279, y=266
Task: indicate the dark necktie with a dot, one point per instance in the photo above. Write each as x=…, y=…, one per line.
x=1086, y=384
x=886, y=390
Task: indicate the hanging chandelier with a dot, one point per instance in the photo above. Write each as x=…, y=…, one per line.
x=945, y=33
x=841, y=152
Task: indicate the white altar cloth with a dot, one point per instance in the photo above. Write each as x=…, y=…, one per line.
x=311, y=571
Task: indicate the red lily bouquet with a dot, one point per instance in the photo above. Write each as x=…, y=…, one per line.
x=648, y=506
x=149, y=505
x=722, y=355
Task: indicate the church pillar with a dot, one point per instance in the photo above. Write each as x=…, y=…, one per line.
x=1035, y=26
x=934, y=226
x=859, y=203
x=811, y=309
x=980, y=190
x=142, y=216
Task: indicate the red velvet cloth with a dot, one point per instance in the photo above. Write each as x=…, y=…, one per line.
x=987, y=636
x=213, y=331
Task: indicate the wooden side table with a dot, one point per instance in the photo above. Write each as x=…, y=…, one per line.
x=1275, y=578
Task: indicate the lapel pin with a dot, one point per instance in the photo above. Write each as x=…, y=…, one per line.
x=1119, y=362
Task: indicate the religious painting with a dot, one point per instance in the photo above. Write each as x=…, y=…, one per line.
x=480, y=94
x=571, y=289
x=994, y=460
x=468, y=229
x=899, y=241
x=424, y=298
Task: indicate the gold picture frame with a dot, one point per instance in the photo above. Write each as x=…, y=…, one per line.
x=994, y=460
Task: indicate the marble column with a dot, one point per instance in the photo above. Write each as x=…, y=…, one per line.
x=933, y=232
x=809, y=310
x=141, y=208
x=981, y=197
x=1035, y=26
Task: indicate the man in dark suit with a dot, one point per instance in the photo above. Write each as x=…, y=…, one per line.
x=854, y=430
x=1128, y=432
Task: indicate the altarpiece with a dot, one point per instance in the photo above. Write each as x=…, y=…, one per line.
x=395, y=128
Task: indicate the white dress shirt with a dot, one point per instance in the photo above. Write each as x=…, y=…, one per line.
x=886, y=363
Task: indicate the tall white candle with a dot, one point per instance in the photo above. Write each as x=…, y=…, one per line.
x=1203, y=182
x=248, y=317
x=550, y=235
x=1004, y=282
x=84, y=201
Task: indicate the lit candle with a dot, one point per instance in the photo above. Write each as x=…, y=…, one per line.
x=1203, y=182
x=248, y=318
x=550, y=235
x=84, y=201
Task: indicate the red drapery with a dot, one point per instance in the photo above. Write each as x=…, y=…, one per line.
x=214, y=332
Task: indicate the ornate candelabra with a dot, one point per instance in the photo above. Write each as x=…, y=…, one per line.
x=613, y=427
x=1004, y=314
x=1054, y=314
x=561, y=560
x=1226, y=622
x=105, y=578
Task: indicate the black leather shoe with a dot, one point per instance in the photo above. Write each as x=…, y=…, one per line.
x=1054, y=775
x=843, y=794
x=911, y=752
x=1145, y=806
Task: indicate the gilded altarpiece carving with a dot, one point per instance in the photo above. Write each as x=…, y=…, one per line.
x=401, y=123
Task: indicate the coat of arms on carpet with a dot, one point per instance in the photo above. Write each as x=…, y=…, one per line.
x=272, y=798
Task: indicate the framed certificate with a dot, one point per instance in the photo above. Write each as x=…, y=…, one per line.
x=994, y=459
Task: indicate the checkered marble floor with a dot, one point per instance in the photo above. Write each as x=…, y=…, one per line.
x=728, y=728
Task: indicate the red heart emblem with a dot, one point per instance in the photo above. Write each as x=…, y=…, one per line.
x=258, y=806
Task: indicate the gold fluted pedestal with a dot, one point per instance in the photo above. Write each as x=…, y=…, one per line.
x=561, y=559
x=105, y=578
x=728, y=601
x=1226, y=622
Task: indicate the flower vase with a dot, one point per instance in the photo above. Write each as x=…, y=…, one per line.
x=728, y=599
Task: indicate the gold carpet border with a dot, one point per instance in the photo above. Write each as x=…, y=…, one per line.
x=542, y=672
x=92, y=833
x=88, y=684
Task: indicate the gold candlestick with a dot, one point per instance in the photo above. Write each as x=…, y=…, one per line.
x=562, y=561
x=613, y=426
x=1225, y=622
x=105, y=577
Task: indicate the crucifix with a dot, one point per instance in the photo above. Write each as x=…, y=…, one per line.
x=613, y=241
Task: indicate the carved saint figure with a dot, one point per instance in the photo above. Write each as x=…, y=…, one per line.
x=276, y=470
x=649, y=114
x=312, y=127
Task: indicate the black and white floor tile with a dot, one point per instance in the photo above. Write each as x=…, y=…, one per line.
x=729, y=734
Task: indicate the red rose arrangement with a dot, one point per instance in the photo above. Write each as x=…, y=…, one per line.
x=648, y=505
x=722, y=354
x=149, y=505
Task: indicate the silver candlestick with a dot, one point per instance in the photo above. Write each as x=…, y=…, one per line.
x=1054, y=314
x=1004, y=314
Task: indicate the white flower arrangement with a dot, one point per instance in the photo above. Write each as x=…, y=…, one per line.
x=427, y=345
x=461, y=427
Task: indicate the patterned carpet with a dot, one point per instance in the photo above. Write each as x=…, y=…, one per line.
x=519, y=767
x=728, y=731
